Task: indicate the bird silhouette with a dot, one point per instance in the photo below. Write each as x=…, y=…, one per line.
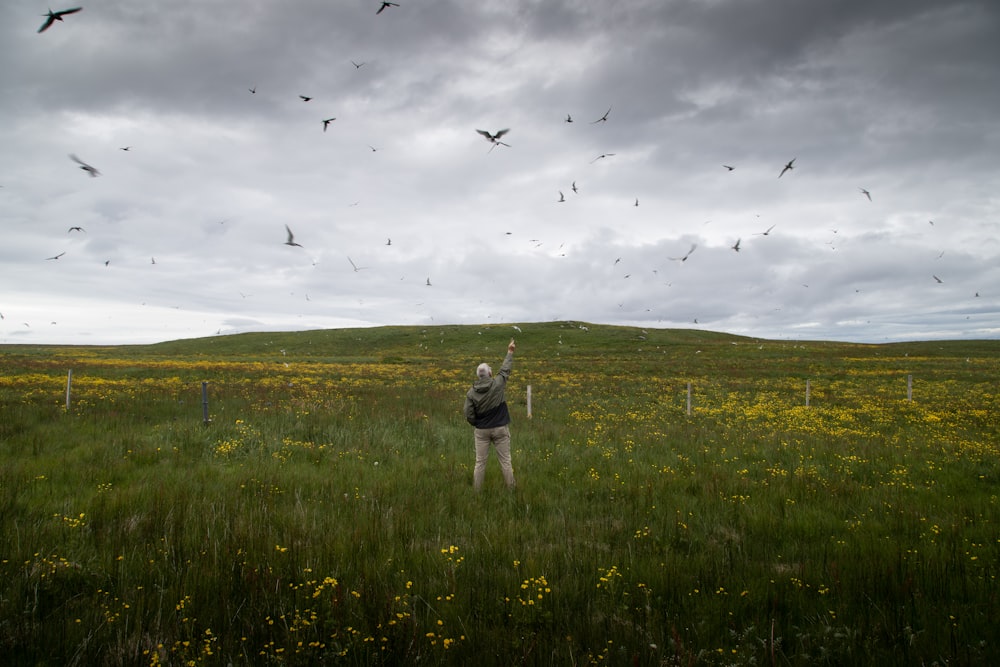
x=736, y=246
x=561, y=197
x=291, y=238
x=384, y=6
x=326, y=122
x=728, y=167
x=866, y=193
x=937, y=279
x=600, y=157
x=253, y=91
x=125, y=148
x=63, y=253
x=357, y=65
x=76, y=229
x=428, y=282
x=569, y=119
x=495, y=138
x=685, y=257
x=52, y=17
x=765, y=232
x=86, y=167
x=388, y=241
x=636, y=201
x=788, y=167
x=355, y=266
x=573, y=187
x=305, y=98
x=604, y=118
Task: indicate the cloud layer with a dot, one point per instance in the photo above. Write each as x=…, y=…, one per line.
x=183, y=233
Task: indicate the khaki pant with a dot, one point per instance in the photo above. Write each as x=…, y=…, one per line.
x=499, y=437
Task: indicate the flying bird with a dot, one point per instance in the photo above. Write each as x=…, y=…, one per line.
x=495, y=138
x=728, y=167
x=788, y=167
x=253, y=91
x=573, y=187
x=601, y=156
x=765, y=232
x=291, y=238
x=866, y=193
x=326, y=122
x=355, y=266
x=357, y=65
x=388, y=241
x=561, y=197
x=428, y=282
x=736, y=246
x=76, y=229
x=636, y=201
x=86, y=167
x=384, y=6
x=125, y=148
x=685, y=257
x=64, y=252
x=569, y=119
x=305, y=98
x=604, y=118
x=937, y=279
x=52, y=17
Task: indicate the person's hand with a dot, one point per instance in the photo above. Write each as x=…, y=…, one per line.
x=511, y=346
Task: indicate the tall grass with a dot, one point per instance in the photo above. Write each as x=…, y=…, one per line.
x=326, y=513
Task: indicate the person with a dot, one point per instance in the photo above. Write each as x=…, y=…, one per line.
x=486, y=410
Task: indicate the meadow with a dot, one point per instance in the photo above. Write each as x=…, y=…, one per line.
x=325, y=513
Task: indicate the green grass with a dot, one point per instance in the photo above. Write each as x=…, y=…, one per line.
x=326, y=513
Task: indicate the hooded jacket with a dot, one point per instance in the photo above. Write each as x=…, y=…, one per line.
x=485, y=406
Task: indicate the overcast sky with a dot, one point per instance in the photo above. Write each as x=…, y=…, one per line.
x=183, y=234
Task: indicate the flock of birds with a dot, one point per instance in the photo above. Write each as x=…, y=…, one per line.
x=494, y=138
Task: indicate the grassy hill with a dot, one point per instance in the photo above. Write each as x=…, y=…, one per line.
x=324, y=513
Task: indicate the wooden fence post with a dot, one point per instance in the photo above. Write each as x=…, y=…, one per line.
x=689, y=399
x=204, y=403
x=807, y=393
x=69, y=386
x=909, y=387
x=529, y=401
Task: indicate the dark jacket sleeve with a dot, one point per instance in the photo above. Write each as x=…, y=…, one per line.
x=469, y=410
x=508, y=363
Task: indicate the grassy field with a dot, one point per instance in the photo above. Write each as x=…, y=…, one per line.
x=325, y=514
